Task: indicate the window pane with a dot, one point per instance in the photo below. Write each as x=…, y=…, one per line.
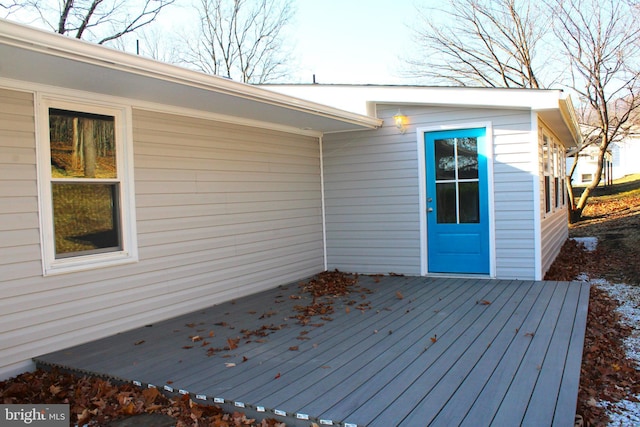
x=547, y=193
x=446, y=203
x=469, y=203
x=545, y=155
x=445, y=158
x=467, y=158
x=85, y=218
x=82, y=145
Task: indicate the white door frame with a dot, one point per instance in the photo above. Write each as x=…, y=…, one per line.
x=422, y=189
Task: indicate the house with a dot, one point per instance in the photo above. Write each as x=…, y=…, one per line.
x=203, y=190
x=135, y=191
x=585, y=171
x=470, y=181
x=620, y=161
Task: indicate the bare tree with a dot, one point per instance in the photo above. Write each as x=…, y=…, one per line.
x=99, y=21
x=489, y=43
x=497, y=43
x=8, y=7
x=602, y=41
x=242, y=39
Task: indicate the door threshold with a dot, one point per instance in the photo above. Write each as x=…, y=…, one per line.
x=459, y=275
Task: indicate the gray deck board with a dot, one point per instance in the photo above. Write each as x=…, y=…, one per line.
x=410, y=365
x=460, y=402
x=541, y=406
x=570, y=377
x=387, y=354
x=463, y=357
x=505, y=353
x=489, y=400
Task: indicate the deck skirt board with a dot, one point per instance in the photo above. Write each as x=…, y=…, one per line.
x=434, y=351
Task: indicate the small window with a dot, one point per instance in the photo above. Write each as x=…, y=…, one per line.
x=86, y=194
x=587, y=177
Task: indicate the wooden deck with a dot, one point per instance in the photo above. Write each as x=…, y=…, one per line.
x=423, y=351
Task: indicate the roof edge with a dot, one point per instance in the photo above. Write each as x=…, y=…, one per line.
x=46, y=42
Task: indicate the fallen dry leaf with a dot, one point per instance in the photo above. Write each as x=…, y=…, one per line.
x=97, y=402
x=399, y=295
x=233, y=343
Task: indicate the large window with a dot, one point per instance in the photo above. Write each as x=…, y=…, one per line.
x=86, y=193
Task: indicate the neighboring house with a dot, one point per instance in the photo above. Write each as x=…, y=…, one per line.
x=134, y=191
x=585, y=171
x=626, y=155
x=621, y=160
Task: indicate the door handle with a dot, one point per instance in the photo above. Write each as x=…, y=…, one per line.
x=430, y=210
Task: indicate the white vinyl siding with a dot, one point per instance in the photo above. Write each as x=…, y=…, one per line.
x=222, y=211
x=553, y=224
x=371, y=187
x=373, y=223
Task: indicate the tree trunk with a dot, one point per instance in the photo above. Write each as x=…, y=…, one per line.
x=76, y=155
x=579, y=207
x=89, y=149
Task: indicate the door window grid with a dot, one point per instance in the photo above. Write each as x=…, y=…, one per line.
x=465, y=200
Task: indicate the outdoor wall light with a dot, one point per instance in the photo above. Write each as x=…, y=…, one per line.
x=401, y=121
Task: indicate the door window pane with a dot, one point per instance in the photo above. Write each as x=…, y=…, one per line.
x=446, y=206
x=445, y=160
x=469, y=202
x=467, y=158
x=86, y=218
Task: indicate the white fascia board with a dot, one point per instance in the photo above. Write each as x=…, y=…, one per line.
x=360, y=98
x=48, y=43
x=570, y=118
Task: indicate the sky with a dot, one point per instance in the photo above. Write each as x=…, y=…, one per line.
x=352, y=41
x=340, y=41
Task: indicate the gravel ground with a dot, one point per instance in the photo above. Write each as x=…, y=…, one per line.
x=626, y=413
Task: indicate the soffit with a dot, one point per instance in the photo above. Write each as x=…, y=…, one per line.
x=36, y=56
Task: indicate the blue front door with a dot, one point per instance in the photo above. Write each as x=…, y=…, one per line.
x=457, y=201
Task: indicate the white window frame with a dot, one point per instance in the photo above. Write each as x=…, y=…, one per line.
x=124, y=160
x=553, y=161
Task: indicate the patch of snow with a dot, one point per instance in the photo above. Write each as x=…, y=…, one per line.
x=625, y=413
x=590, y=243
